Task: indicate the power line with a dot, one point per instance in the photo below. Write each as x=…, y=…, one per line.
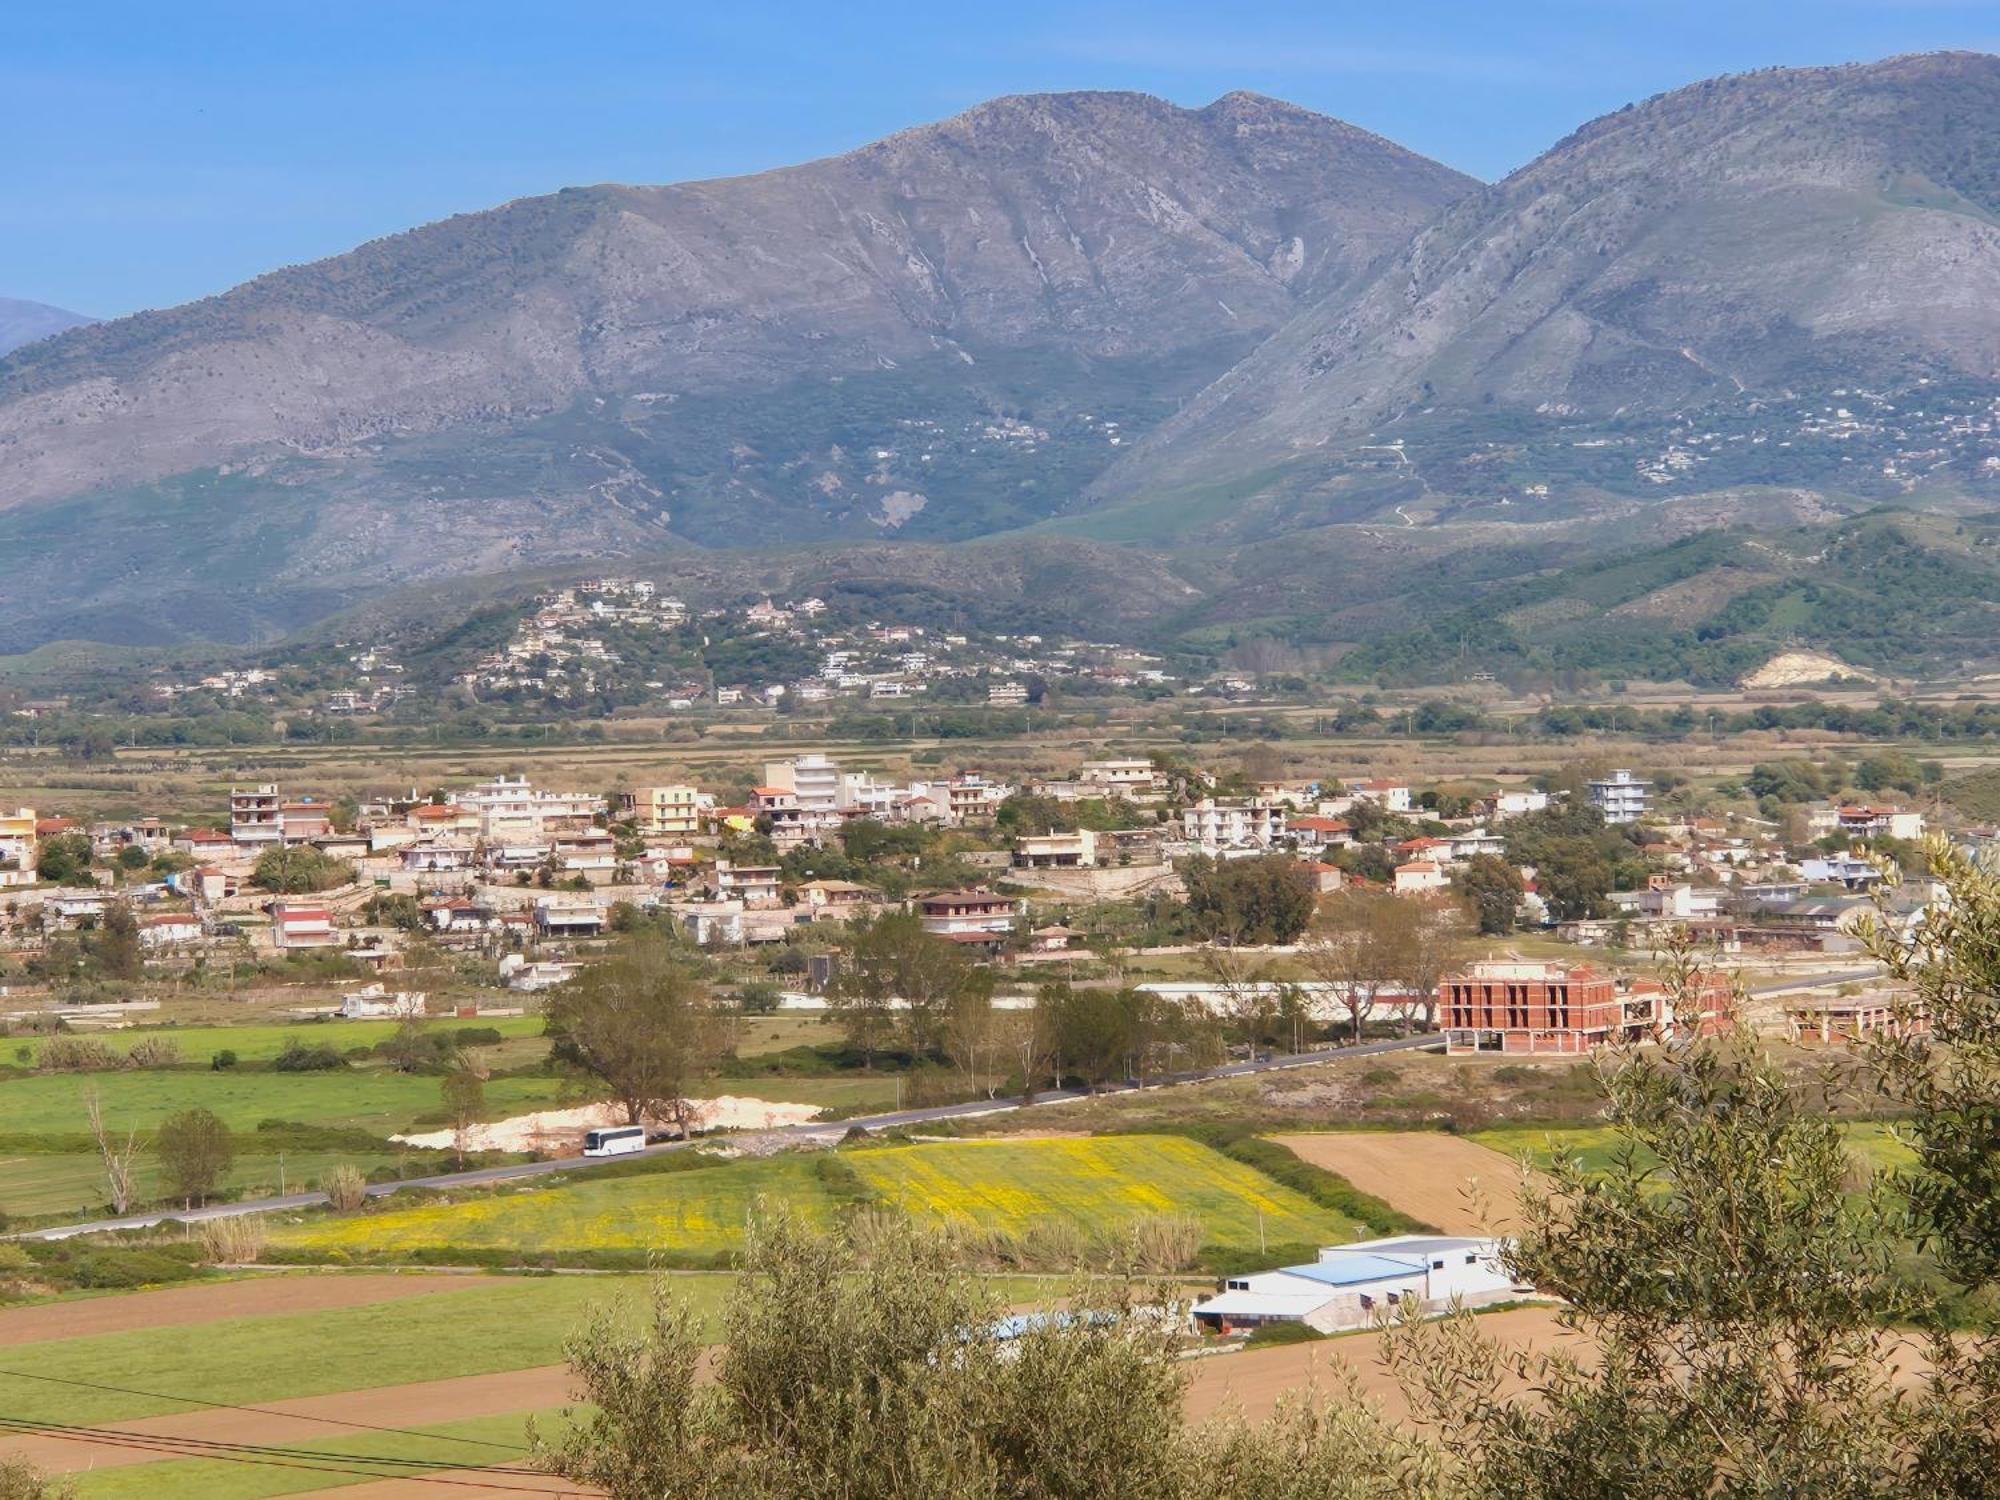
x=128, y=1437
x=261, y=1411
x=142, y=1443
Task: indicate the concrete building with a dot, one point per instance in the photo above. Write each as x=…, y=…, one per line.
x=568, y=916
x=1349, y=1285
x=974, y=914
x=1218, y=823
x=1119, y=778
x=302, y=924
x=666, y=811
x=1390, y=796
x=1869, y=822
x=1517, y=1007
x=1621, y=797
x=256, y=817
x=1056, y=851
x=18, y=846
x=1420, y=877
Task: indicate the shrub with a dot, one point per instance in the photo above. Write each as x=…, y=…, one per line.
x=117, y=1269
x=224, y=1060
x=1513, y=1074
x=1163, y=1244
x=296, y=1057
x=75, y=1054
x=235, y=1241
x=477, y=1036
x=154, y=1052
x=345, y=1188
x=1283, y=1333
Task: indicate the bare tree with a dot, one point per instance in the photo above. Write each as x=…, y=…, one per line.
x=120, y=1179
x=463, y=1091
x=1348, y=952
x=1427, y=948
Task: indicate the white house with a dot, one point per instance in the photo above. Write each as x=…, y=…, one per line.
x=169, y=928
x=1348, y=1285
x=373, y=1000
x=1390, y=796
x=1419, y=877
x=1217, y=823
x=1515, y=804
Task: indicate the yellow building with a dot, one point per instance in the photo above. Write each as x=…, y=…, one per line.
x=17, y=847
x=667, y=811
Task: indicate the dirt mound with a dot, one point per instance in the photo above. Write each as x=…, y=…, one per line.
x=1799, y=668
x=560, y=1132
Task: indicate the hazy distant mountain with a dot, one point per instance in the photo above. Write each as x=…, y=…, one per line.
x=24, y=322
x=1783, y=231
x=1096, y=226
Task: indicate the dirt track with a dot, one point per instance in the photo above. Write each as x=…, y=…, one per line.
x=292, y=1423
x=176, y=1307
x=1425, y=1173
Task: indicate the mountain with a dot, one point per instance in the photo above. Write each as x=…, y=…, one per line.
x=943, y=333
x=1747, y=239
x=24, y=322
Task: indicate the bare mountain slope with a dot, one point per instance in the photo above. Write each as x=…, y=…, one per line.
x=1756, y=235
x=1093, y=225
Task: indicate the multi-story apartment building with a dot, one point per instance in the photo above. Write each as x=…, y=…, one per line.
x=256, y=817
x=1621, y=797
x=1217, y=823
x=1505, y=1006
x=672, y=812
x=512, y=811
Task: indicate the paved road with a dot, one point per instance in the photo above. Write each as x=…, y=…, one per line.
x=889, y=1121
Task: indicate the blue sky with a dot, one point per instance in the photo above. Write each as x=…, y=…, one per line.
x=158, y=152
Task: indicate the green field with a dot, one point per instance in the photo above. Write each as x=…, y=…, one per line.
x=1095, y=1183
x=496, y=1323
x=1872, y=1143
x=260, y=1042
x=71, y=1183
x=371, y=1099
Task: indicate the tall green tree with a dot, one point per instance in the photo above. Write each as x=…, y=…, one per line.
x=640, y=1022
x=1492, y=891
x=1268, y=899
x=196, y=1150
x=896, y=979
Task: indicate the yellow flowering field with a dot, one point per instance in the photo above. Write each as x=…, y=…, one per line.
x=1097, y=1183
x=688, y=1213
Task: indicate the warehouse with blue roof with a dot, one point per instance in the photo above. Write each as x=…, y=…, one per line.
x=1348, y=1286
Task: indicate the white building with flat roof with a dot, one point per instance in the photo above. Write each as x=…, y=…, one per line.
x=1349, y=1285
